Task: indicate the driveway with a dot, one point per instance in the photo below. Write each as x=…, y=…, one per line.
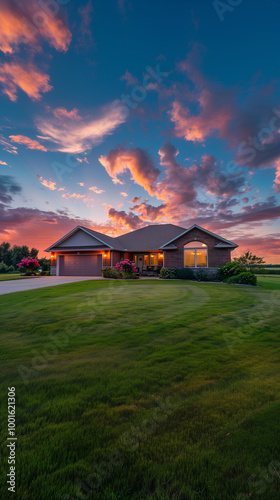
x=26, y=284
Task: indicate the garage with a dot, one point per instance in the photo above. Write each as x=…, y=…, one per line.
x=80, y=265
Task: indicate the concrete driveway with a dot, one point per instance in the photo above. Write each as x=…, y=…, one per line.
x=24, y=284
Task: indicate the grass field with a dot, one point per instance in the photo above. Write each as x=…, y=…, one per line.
x=143, y=390
x=7, y=277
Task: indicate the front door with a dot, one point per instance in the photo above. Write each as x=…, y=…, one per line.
x=140, y=262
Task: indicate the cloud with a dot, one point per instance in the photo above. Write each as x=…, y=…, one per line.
x=149, y=213
x=3, y=163
x=122, y=219
x=8, y=146
x=81, y=184
x=129, y=79
x=8, y=188
x=62, y=113
x=77, y=196
x=85, y=38
x=76, y=137
x=137, y=161
x=277, y=178
x=136, y=199
x=25, y=76
x=124, y=194
x=19, y=26
x=49, y=184
x=30, y=143
x=96, y=190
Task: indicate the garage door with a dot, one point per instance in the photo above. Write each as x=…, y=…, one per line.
x=80, y=265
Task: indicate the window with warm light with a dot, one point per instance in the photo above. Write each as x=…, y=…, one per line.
x=153, y=259
x=196, y=254
x=146, y=260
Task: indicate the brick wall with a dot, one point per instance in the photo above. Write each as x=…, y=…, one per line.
x=216, y=256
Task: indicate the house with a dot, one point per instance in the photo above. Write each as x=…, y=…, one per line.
x=84, y=252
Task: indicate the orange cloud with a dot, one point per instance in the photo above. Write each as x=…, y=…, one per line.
x=19, y=26
x=124, y=194
x=137, y=161
x=30, y=143
x=197, y=128
x=49, y=184
x=25, y=76
x=63, y=113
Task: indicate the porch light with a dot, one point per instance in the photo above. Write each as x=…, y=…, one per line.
x=52, y=257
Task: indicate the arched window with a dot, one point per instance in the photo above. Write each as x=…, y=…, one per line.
x=196, y=254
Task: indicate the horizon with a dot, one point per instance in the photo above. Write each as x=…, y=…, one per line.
x=141, y=117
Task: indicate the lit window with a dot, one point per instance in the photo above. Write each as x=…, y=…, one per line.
x=153, y=259
x=196, y=254
x=146, y=260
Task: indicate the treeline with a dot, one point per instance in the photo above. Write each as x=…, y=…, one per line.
x=11, y=256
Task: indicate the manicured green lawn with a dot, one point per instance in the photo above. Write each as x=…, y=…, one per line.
x=143, y=390
x=7, y=277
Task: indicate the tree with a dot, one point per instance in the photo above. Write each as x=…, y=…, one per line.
x=33, y=253
x=5, y=253
x=249, y=260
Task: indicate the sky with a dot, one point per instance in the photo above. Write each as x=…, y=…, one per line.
x=124, y=113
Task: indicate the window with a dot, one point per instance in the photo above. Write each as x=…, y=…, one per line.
x=146, y=260
x=153, y=259
x=196, y=254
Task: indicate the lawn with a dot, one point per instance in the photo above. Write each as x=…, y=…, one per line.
x=7, y=277
x=143, y=390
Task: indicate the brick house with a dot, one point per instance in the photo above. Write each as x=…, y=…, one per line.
x=84, y=252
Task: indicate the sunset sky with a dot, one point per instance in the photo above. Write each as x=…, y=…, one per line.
x=118, y=114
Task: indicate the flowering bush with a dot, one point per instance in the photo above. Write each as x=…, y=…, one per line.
x=30, y=265
x=126, y=267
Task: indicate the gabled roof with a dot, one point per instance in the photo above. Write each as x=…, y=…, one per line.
x=229, y=244
x=149, y=238
x=106, y=241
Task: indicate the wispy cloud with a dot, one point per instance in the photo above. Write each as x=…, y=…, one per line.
x=76, y=137
x=124, y=194
x=96, y=190
x=24, y=76
x=18, y=28
x=8, y=146
x=29, y=143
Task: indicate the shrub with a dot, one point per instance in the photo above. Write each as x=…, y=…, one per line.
x=3, y=268
x=110, y=272
x=244, y=278
x=30, y=265
x=168, y=274
x=185, y=274
x=230, y=269
x=203, y=275
x=11, y=269
x=48, y=273
x=126, y=268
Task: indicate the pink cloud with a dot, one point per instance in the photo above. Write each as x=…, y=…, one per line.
x=24, y=76
x=277, y=177
x=136, y=161
x=62, y=113
x=30, y=143
x=96, y=190
x=74, y=136
x=129, y=79
x=18, y=27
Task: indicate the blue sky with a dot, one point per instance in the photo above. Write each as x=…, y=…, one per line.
x=198, y=141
